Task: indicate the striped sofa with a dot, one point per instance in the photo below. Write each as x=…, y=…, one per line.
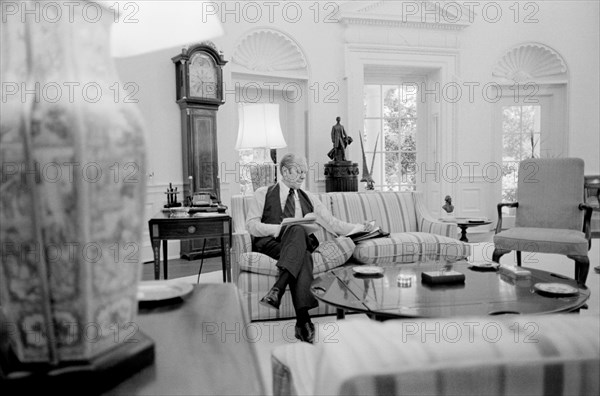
x=556, y=354
x=414, y=234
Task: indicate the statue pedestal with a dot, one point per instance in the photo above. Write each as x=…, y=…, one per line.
x=341, y=176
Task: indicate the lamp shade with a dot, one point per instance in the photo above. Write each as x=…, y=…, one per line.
x=259, y=127
x=148, y=26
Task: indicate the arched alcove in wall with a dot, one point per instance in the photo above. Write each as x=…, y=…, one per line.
x=269, y=51
x=531, y=62
x=531, y=117
x=268, y=66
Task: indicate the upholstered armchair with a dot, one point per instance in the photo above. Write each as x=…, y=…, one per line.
x=551, y=216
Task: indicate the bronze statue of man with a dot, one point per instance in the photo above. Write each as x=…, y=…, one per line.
x=340, y=141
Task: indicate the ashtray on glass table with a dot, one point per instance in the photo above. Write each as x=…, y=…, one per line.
x=367, y=270
x=555, y=289
x=483, y=265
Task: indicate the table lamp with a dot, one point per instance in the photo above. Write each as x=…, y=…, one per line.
x=259, y=128
x=73, y=196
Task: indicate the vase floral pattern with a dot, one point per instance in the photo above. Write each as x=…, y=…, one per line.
x=72, y=188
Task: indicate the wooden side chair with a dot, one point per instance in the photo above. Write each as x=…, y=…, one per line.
x=551, y=216
x=592, y=198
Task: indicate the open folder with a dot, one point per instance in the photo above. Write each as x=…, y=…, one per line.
x=364, y=235
x=309, y=222
x=358, y=234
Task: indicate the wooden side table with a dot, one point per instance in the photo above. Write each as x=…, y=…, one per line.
x=464, y=223
x=164, y=226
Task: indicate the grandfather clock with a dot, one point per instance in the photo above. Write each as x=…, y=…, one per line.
x=199, y=78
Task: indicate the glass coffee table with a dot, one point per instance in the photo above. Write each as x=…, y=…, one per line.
x=399, y=293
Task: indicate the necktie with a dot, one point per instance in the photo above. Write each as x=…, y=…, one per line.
x=290, y=205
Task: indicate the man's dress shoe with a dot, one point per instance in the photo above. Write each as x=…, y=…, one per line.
x=271, y=299
x=306, y=332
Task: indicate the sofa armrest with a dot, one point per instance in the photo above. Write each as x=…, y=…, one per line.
x=241, y=243
x=427, y=223
x=438, y=227
x=460, y=356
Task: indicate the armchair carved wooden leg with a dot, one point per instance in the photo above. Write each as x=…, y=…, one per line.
x=582, y=267
x=519, y=258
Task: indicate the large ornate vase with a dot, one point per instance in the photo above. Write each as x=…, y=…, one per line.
x=72, y=188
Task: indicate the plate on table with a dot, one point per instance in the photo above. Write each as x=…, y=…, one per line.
x=556, y=289
x=162, y=291
x=368, y=270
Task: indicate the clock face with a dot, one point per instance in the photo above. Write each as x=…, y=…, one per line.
x=203, y=76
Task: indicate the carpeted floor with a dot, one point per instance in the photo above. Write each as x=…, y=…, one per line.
x=268, y=335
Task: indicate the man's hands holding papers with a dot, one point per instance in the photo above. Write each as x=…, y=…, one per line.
x=308, y=222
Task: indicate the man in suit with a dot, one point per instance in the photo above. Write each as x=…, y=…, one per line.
x=293, y=249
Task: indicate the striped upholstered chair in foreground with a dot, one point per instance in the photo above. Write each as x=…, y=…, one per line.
x=413, y=234
x=551, y=216
x=555, y=354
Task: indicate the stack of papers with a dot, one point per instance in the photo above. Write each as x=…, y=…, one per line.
x=309, y=222
x=364, y=235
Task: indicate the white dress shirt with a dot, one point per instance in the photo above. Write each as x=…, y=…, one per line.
x=257, y=205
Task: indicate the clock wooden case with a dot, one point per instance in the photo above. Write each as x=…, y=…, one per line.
x=199, y=93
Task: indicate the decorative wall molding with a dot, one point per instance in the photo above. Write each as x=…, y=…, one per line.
x=530, y=62
x=397, y=14
x=268, y=51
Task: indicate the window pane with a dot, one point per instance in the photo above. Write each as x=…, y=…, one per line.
x=530, y=144
x=527, y=117
x=538, y=145
x=537, y=119
x=408, y=100
x=372, y=129
x=408, y=138
x=511, y=147
x=521, y=139
x=509, y=195
x=395, y=159
x=510, y=172
x=511, y=119
x=390, y=100
x=392, y=135
x=372, y=100
x=377, y=171
x=392, y=168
